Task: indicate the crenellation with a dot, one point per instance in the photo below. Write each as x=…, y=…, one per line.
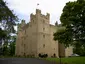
x=45, y=16
x=48, y=16
x=38, y=11
x=32, y=16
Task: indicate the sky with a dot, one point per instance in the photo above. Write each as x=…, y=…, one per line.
x=23, y=8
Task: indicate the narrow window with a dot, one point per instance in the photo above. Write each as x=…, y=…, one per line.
x=43, y=36
x=43, y=45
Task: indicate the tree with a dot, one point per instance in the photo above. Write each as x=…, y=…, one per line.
x=6, y=15
x=12, y=48
x=5, y=49
x=2, y=34
x=7, y=20
x=73, y=19
x=79, y=50
x=63, y=36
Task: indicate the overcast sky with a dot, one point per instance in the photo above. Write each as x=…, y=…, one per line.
x=23, y=8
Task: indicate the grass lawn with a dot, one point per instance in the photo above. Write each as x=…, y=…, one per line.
x=69, y=60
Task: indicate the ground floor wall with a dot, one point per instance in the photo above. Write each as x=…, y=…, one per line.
x=49, y=47
x=68, y=51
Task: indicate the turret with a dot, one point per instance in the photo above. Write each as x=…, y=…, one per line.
x=21, y=25
x=48, y=16
x=38, y=11
x=23, y=22
x=56, y=23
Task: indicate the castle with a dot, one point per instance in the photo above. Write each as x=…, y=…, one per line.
x=36, y=37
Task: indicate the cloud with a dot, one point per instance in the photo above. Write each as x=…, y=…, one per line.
x=25, y=7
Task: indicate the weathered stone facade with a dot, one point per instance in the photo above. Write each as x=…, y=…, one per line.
x=37, y=37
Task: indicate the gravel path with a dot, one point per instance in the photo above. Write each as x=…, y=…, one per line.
x=23, y=61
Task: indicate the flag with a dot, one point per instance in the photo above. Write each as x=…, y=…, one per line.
x=37, y=4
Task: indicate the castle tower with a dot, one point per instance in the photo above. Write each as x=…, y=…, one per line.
x=19, y=40
x=36, y=37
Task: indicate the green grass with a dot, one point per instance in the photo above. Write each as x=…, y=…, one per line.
x=70, y=60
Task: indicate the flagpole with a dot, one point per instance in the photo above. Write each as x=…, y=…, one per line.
x=37, y=5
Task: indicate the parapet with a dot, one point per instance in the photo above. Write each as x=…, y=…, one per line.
x=23, y=23
x=32, y=16
x=39, y=14
x=48, y=15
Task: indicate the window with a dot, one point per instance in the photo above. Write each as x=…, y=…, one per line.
x=24, y=45
x=43, y=45
x=43, y=29
x=43, y=36
x=33, y=21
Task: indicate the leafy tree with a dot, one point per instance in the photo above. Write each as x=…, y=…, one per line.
x=5, y=49
x=6, y=15
x=63, y=36
x=2, y=34
x=79, y=50
x=12, y=48
x=7, y=20
x=1, y=51
x=73, y=19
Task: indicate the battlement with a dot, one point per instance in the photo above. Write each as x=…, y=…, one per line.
x=32, y=16
x=38, y=13
x=47, y=16
x=22, y=24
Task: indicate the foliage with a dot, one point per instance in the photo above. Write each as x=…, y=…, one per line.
x=73, y=19
x=79, y=50
x=2, y=34
x=63, y=36
x=6, y=15
x=5, y=49
x=7, y=21
x=12, y=49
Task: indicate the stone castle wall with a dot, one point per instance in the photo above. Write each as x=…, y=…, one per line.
x=37, y=36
